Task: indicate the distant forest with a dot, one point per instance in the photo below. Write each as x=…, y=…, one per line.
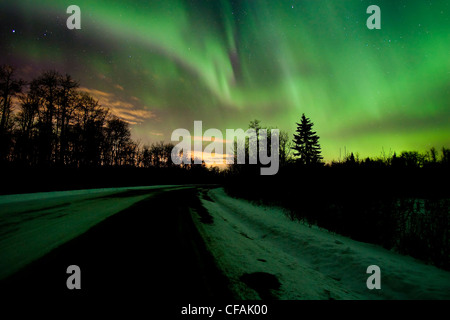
x=54, y=137
x=56, y=125
x=49, y=122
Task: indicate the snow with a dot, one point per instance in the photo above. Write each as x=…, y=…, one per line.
x=10, y=198
x=31, y=225
x=309, y=262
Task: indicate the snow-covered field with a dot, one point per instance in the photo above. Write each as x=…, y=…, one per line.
x=310, y=263
x=31, y=225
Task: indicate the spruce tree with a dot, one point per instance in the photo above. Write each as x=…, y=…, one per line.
x=306, y=143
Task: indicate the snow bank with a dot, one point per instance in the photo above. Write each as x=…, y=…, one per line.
x=309, y=262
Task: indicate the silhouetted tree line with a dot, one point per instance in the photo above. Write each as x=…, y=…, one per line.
x=284, y=150
x=407, y=159
x=400, y=202
x=54, y=136
x=49, y=129
x=56, y=125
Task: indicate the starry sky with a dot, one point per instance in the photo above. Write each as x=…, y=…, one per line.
x=161, y=64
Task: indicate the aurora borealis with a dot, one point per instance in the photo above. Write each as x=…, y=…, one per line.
x=163, y=64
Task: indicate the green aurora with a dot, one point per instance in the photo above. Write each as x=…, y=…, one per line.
x=163, y=64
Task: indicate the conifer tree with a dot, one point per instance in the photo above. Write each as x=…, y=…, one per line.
x=306, y=143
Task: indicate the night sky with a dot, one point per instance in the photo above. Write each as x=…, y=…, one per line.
x=162, y=64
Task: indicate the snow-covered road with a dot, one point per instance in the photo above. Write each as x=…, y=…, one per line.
x=309, y=263
x=31, y=225
x=261, y=251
